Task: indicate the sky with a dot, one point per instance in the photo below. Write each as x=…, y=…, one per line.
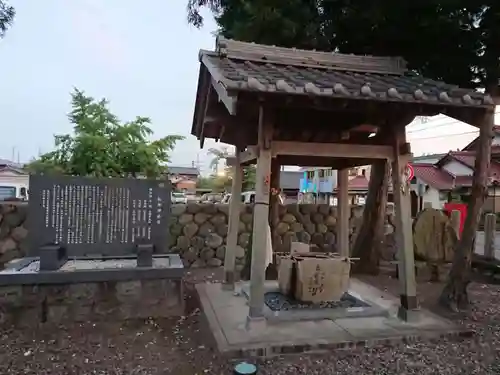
x=144, y=60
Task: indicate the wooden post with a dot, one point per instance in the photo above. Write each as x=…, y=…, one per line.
x=343, y=212
x=271, y=271
x=234, y=221
x=455, y=221
x=404, y=235
x=274, y=199
x=489, y=235
x=260, y=218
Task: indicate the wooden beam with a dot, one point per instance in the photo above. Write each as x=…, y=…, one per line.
x=249, y=156
x=228, y=100
x=333, y=150
x=313, y=161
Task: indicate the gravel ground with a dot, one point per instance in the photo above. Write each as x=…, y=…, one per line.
x=179, y=346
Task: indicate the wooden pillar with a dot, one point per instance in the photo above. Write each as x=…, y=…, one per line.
x=343, y=212
x=403, y=224
x=234, y=221
x=274, y=199
x=260, y=217
x=489, y=235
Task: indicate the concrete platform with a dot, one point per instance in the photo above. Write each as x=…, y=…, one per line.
x=226, y=313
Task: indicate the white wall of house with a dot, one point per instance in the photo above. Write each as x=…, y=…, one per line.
x=433, y=196
x=496, y=140
x=457, y=169
x=9, y=178
x=430, y=195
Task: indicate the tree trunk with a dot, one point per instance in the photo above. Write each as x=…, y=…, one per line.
x=454, y=295
x=371, y=234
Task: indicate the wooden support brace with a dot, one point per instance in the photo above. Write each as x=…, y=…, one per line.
x=333, y=150
x=343, y=212
x=234, y=220
x=249, y=156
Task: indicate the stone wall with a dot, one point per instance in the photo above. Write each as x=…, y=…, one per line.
x=12, y=231
x=29, y=305
x=198, y=232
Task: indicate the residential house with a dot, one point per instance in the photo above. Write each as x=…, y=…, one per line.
x=290, y=183
x=321, y=184
x=427, y=159
x=183, y=178
x=14, y=181
x=495, y=144
x=451, y=177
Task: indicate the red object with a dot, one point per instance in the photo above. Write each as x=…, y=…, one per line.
x=462, y=207
x=410, y=172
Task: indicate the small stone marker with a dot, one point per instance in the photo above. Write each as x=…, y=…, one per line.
x=245, y=368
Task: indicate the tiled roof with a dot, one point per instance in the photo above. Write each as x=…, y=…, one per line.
x=468, y=158
x=358, y=183
x=433, y=176
x=417, y=159
x=8, y=163
x=465, y=157
x=183, y=170
x=12, y=169
x=239, y=66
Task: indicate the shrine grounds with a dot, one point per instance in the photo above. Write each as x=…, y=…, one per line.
x=181, y=346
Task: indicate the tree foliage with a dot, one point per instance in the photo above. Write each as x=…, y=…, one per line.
x=7, y=14
x=223, y=181
x=451, y=40
x=103, y=146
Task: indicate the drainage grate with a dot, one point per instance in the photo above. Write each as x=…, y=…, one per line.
x=277, y=301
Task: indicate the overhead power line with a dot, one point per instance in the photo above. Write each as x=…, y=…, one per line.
x=444, y=136
x=429, y=125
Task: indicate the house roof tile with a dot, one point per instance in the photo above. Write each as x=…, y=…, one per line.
x=437, y=177
x=357, y=183
x=183, y=170
x=468, y=158
x=240, y=66
x=433, y=176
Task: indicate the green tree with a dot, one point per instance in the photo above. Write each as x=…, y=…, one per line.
x=103, y=146
x=248, y=181
x=205, y=183
x=7, y=14
x=219, y=156
x=451, y=40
